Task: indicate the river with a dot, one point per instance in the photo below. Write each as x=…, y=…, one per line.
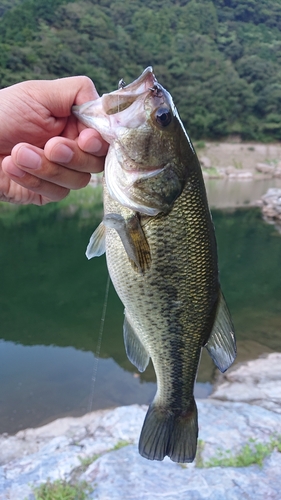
x=52, y=302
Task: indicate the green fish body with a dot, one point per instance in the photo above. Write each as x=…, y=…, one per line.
x=161, y=254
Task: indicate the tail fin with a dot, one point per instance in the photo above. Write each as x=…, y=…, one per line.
x=165, y=432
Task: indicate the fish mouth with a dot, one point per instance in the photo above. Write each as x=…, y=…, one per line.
x=121, y=99
x=106, y=113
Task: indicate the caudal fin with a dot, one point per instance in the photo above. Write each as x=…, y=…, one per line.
x=165, y=432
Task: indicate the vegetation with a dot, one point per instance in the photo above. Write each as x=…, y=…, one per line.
x=61, y=490
x=251, y=453
x=219, y=58
x=121, y=444
x=85, y=462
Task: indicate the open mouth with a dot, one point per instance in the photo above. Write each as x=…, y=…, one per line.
x=120, y=103
x=121, y=99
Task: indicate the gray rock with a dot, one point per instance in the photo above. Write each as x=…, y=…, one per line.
x=126, y=475
x=271, y=205
x=277, y=172
x=230, y=170
x=265, y=168
x=56, y=450
x=205, y=162
x=263, y=385
x=248, y=176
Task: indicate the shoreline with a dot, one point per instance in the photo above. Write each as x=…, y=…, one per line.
x=235, y=159
x=98, y=446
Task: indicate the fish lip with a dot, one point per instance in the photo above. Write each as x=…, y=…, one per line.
x=143, y=82
x=131, y=91
x=122, y=98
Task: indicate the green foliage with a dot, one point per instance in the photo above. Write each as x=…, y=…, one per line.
x=199, y=145
x=85, y=462
x=199, y=462
x=121, y=444
x=61, y=490
x=221, y=59
x=251, y=453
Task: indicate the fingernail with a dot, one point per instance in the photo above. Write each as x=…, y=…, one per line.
x=61, y=154
x=93, y=146
x=28, y=158
x=12, y=169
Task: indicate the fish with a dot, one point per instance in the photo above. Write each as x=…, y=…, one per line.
x=159, y=239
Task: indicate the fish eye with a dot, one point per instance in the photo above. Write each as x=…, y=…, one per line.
x=163, y=116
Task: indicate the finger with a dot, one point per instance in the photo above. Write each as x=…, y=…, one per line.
x=30, y=159
x=66, y=152
x=33, y=190
x=91, y=141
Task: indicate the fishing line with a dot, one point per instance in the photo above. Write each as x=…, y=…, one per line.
x=97, y=355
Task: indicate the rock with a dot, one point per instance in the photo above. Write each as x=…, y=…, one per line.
x=205, y=162
x=263, y=386
x=265, y=168
x=269, y=211
x=271, y=204
x=277, y=173
x=126, y=475
x=271, y=193
x=56, y=450
x=230, y=170
x=241, y=175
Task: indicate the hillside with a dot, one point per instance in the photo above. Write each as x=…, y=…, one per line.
x=220, y=59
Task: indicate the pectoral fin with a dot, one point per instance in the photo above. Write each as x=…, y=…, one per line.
x=133, y=239
x=135, y=350
x=222, y=345
x=96, y=246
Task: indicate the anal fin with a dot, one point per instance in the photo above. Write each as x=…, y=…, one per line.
x=135, y=350
x=221, y=344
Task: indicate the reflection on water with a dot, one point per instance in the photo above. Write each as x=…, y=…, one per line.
x=39, y=383
x=51, y=305
x=225, y=193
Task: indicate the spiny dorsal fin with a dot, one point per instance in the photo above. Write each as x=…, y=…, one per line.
x=135, y=350
x=222, y=345
x=133, y=239
x=96, y=246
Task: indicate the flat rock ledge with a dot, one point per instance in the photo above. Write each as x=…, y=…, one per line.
x=101, y=447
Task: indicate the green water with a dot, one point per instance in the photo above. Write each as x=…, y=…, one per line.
x=51, y=303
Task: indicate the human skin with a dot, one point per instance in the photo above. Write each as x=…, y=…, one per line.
x=44, y=151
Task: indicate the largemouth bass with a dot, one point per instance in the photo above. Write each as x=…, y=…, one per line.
x=161, y=253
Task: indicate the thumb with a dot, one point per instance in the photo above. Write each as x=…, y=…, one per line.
x=58, y=96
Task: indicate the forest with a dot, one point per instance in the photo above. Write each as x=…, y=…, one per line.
x=220, y=59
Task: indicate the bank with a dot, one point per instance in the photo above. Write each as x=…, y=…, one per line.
x=239, y=424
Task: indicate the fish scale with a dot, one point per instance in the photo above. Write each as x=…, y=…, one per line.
x=161, y=253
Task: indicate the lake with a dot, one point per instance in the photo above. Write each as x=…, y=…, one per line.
x=52, y=302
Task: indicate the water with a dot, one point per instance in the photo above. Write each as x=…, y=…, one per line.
x=51, y=301
x=225, y=193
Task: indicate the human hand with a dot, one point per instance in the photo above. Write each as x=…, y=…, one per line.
x=44, y=150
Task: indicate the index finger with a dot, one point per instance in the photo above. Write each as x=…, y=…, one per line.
x=91, y=141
